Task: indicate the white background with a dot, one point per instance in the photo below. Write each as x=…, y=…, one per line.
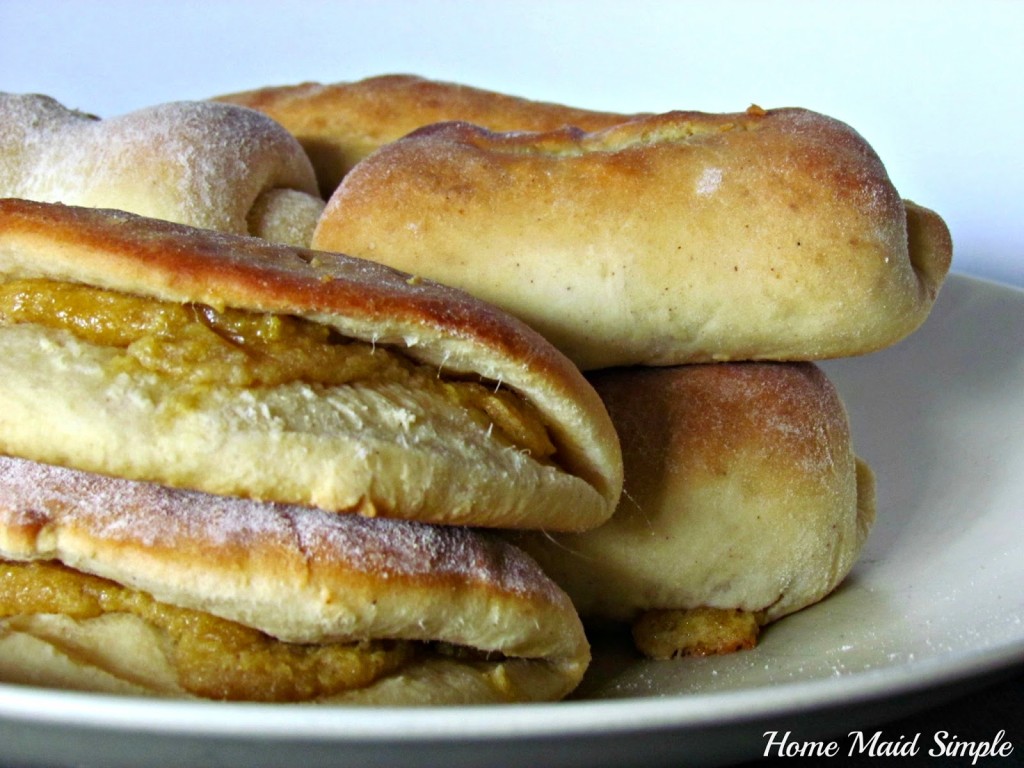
x=935, y=86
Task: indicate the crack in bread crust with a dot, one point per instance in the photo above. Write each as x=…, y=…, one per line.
x=384, y=449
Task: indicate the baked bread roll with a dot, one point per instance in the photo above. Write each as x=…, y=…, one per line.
x=214, y=166
x=153, y=351
x=743, y=502
x=129, y=587
x=670, y=239
x=341, y=123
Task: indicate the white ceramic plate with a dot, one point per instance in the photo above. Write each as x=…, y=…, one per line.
x=935, y=602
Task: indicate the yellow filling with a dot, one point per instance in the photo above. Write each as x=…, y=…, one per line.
x=703, y=631
x=203, y=346
x=214, y=658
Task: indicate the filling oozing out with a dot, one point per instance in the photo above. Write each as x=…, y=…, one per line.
x=213, y=657
x=702, y=631
x=204, y=346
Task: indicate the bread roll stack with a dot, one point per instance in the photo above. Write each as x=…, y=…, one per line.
x=696, y=266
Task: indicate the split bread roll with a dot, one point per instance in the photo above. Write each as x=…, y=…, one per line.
x=670, y=239
x=152, y=351
x=743, y=502
x=214, y=166
x=127, y=587
x=339, y=124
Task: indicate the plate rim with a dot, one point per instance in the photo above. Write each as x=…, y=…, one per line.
x=565, y=719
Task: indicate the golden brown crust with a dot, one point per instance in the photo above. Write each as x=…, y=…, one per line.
x=215, y=166
x=670, y=634
x=433, y=324
x=298, y=574
x=742, y=492
x=675, y=238
x=339, y=124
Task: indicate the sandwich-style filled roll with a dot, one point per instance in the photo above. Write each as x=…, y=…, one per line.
x=744, y=502
x=215, y=166
x=153, y=351
x=126, y=587
x=341, y=123
x=669, y=239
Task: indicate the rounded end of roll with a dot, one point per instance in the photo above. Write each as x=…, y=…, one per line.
x=930, y=246
x=285, y=216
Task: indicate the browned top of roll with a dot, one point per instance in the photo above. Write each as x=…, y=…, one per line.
x=710, y=414
x=340, y=123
